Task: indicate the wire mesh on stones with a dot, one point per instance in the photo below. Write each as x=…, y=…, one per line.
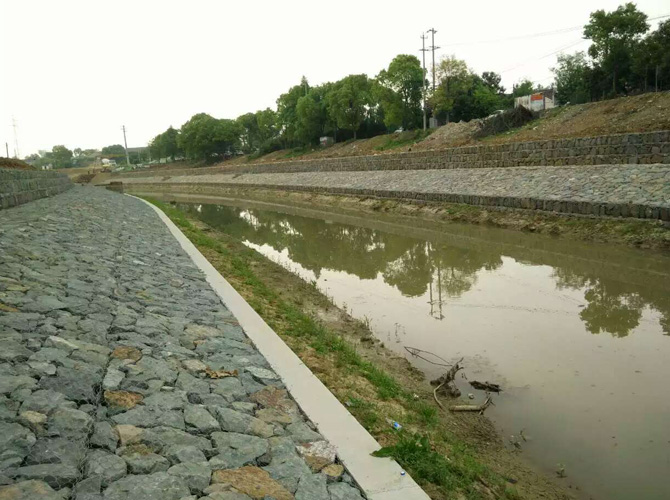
x=124, y=375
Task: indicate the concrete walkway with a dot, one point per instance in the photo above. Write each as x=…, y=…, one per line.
x=122, y=375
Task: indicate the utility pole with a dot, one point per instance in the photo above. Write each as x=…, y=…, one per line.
x=16, y=139
x=433, y=48
x=423, y=83
x=7, y=149
x=123, y=127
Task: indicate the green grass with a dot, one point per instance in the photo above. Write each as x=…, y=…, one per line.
x=459, y=472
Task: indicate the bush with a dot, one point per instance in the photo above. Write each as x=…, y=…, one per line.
x=507, y=120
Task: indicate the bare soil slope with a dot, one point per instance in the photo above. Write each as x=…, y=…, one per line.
x=642, y=113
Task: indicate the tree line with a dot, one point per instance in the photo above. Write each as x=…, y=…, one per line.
x=624, y=58
x=354, y=107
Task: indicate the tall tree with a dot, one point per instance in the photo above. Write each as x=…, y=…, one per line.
x=454, y=77
x=115, y=149
x=613, y=35
x=349, y=101
x=522, y=88
x=286, y=111
x=61, y=157
x=572, y=78
x=205, y=137
x=401, y=95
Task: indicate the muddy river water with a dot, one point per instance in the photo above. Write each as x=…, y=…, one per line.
x=577, y=334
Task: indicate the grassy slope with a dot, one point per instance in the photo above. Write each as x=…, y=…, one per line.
x=450, y=455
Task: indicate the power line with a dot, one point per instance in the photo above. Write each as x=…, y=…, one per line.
x=556, y=51
x=559, y=31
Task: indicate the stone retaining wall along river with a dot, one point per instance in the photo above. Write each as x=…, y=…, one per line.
x=647, y=148
x=640, y=191
x=22, y=186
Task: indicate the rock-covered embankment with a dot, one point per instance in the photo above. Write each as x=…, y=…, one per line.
x=123, y=376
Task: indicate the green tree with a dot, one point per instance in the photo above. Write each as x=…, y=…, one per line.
x=61, y=157
x=572, y=75
x=349, y=101
x=613, y=36
x=401, y=92
x=287, y=118
x=310, y=118
x=492, y=80
x=116, y=149
x=522, y=88
x=454, y=77
x=206, y=137
x=249, y=138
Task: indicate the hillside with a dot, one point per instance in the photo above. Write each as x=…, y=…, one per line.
x=642, y=113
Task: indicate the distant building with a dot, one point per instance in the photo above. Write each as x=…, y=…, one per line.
x=326, y=141
x=539, y=101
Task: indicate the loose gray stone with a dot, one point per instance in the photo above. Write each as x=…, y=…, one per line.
x=57, y=451
x=301, y=433
x=146, y=463
x=199, y=418
x=73, y=384
x=151, y=417
x=196, y=475
x=10, y=384
x=312, y=487
x=14, y=351
x=29, y=490
x=179, y=454
x=104, y=436
x=235, y=421
x=46, y=401
x=262, y=373
x=157, y=486
x=70, y=423
x=113, y=379
x=15, y=444
x=343, y=491
x=105, y=465
x=55, y=475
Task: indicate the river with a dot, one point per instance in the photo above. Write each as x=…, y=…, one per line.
x=577, y=334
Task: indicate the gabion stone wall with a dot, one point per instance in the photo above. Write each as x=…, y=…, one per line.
x=21, y=186
x=647, y=148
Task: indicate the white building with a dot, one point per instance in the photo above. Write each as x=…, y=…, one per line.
x=539, y=101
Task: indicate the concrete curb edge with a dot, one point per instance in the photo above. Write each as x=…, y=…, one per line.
x=379, y=478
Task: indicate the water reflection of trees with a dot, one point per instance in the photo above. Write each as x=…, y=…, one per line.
x=612, y=306
x=413, y=266
x=416, y=267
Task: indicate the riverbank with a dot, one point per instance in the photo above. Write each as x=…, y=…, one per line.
x=465, y=455
x=637, y=233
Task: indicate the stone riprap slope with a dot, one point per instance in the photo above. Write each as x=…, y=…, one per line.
x=122, y=375
x=641, y=191
x=647, y=148
x=21, y=186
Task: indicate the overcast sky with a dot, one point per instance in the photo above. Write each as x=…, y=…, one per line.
x=73, y=72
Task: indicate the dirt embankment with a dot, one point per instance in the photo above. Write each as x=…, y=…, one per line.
x=15, y=164
x=642, y=113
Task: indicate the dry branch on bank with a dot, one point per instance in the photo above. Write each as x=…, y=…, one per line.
x=478, y=408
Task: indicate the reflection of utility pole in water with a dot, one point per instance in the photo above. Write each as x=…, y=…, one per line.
x=435, y=314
